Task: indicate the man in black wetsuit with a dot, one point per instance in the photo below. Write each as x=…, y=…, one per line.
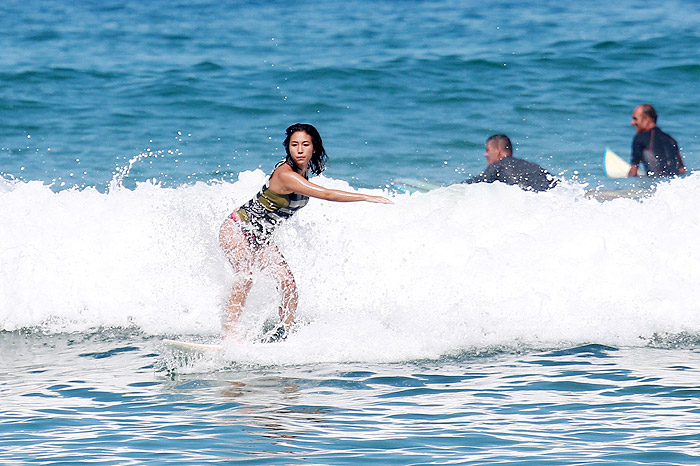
x=657, y=150
x=503, y=167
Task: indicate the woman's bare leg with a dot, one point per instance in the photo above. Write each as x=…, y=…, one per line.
x=286, y=284
x=241, y=257
x=235, y=303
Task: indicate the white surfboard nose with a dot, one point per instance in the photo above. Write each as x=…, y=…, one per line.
x=615, y=166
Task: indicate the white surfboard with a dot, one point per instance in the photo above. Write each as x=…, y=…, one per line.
x=192, y=347
x=615, y=166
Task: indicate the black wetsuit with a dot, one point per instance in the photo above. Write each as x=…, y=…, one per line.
x=663, y=159
x=510, y=170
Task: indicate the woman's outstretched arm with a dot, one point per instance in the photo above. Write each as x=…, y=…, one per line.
x=285, y=181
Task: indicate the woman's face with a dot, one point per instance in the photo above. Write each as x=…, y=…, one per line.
x=301, y=148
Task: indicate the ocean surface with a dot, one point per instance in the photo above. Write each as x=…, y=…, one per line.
x=471, y=324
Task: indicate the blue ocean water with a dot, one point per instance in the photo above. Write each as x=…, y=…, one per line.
x=475, y=324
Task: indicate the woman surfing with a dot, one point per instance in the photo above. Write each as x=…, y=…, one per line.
x=246, y=235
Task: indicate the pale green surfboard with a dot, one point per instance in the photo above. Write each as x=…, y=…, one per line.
x=410, y=185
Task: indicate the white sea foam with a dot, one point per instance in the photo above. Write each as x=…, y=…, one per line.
x=460, y=267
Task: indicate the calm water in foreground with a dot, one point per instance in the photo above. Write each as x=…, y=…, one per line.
x=474, y=324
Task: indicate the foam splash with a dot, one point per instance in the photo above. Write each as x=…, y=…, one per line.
x=458, y=267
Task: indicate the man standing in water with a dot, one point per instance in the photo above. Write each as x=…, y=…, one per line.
x=503, y=167
x=657, y=150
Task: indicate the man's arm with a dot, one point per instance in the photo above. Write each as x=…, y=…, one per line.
x=487, y=176
x=681, y=166
x=637, y=152
x=480, y=178
x=679, y=157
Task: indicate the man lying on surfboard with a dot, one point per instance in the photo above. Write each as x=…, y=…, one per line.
x=503, y=167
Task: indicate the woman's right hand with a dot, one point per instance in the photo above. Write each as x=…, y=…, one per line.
x=378, y=199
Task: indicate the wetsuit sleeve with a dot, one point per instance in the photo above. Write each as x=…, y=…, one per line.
x=487, y=176
x=638, y=147
x=678, y=154
x=477, y=179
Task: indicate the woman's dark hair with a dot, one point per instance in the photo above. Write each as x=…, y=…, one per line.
x=318, y=158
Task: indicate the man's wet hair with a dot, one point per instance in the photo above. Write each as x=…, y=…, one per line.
x=503, y=142
x=649, y=111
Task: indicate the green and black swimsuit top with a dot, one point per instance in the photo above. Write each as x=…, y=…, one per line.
x=262, y=214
